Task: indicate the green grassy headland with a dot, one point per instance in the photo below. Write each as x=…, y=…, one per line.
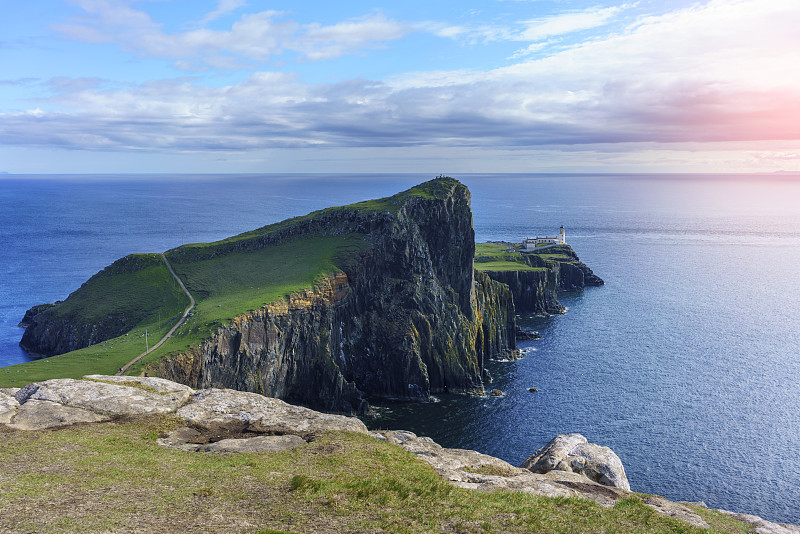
x=226, y=278
x=495, y=257
x=113, y=477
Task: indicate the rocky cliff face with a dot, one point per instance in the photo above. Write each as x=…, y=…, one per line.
x=536, y=292
x=406, y=320
x=575, y=274
x=43, y=338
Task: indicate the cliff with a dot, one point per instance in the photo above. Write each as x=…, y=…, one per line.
x=378, y=298
x=405, y=319
x=535, y=277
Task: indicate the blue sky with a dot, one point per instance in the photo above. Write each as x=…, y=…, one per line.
x=92, y=86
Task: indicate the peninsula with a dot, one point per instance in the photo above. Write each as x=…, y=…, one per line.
x=384, y=298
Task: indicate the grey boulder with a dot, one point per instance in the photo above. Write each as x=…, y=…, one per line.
x=39, y=415
x=262, y=414
x=8, y=407
x=574, y=453
x=105, y=398
x=255, y=444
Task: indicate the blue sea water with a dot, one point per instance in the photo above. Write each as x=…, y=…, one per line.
x=686, y=363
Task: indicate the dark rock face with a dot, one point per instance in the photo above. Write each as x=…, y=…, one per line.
x=576, y=274
x=497, y=322
x=536, y=292
x=43, y=338
x=408, y=319
x=28, y=319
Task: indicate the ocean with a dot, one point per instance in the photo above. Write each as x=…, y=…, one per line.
x=686, y=363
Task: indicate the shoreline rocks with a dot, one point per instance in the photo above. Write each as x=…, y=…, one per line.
x=229, y=421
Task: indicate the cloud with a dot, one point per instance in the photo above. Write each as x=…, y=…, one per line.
x=254, y=37
x=224, y=7
x=536, y=30
x=722, y=72
x=20, y=81
x=528, y=30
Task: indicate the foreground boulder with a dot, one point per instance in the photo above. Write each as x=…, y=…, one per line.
x=262, y=414
x=574, y=453
x=42, y=414
x=66, y=401
x=8, y=407
x=97, y=395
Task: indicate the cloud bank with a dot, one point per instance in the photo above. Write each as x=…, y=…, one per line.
x=724, y=71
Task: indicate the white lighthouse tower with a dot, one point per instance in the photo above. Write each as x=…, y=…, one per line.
x=562, y=237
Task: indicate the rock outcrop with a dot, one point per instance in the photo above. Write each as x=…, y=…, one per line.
x=8, y=407
x=226, y=421
x=476, y=471
x=573, y=453
x=535, y=292
x=65, y=401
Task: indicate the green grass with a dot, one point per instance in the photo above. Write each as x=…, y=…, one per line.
x=140, y=284
x=236, y=283
x=103, y=358
x=495, y=257
x=113, y=477
x=223, y=287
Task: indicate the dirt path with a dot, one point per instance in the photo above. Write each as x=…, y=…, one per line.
x=172, y=331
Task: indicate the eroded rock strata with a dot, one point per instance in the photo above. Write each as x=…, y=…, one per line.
x=557, y=269
x=407, y=319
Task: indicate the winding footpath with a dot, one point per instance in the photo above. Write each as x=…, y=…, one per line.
x=172, y=331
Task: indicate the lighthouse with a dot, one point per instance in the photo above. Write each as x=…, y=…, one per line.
x=562, y=237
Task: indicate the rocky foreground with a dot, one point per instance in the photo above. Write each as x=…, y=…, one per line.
x=223, y=420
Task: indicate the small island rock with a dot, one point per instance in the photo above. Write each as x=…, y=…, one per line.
x=573, y=452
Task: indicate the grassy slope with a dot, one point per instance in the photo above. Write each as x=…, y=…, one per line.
x=493, y=257
x=239, y=282
x=223, y=287
x=150, y=299
x=113, y=477
x=141, y=286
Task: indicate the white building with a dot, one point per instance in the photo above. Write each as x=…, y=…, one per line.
x=532, y=243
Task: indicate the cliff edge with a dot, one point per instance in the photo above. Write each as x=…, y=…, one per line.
x=535, y=277
x=378, y=298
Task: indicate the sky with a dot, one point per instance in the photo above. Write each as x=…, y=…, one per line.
x=251, y=86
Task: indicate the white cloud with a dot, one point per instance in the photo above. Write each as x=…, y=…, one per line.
x=224, y=7
x=723, y=72
x=528, y=30
x=565, y=23
x=530, y=49
x=254, y=37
